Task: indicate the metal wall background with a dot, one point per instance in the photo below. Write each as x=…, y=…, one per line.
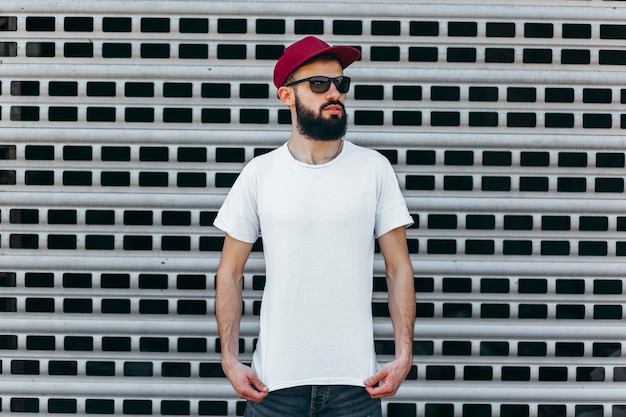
x=124, y=123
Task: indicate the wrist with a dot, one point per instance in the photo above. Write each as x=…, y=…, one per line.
x=405, y=358
x=229, y=360
x=404, y=350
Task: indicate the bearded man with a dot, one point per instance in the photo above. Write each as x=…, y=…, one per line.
x=319, y=202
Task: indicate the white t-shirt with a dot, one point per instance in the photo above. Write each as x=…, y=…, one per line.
x=318, y=224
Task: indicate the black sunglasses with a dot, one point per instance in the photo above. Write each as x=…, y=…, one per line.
x=321, y=84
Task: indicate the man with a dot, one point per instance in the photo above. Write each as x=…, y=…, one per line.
x=319, y=203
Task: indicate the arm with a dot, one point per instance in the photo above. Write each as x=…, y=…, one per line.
x=402, y=309
x=228, y=306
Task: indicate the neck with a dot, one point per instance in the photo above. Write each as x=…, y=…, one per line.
x=314, y=152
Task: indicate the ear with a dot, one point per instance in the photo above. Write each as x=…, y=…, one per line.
x=286, y=95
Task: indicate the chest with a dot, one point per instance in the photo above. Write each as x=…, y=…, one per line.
x=314, y=200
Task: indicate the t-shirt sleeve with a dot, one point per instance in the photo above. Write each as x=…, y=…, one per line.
x=391, y=211
x=238, y=215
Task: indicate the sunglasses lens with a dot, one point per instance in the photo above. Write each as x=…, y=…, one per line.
x=322, y=84
x=319, y=84
x=343, y=84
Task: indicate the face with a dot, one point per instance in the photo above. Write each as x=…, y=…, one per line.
x=320, y=116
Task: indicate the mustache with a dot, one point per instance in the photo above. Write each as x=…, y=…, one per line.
x=333, y=103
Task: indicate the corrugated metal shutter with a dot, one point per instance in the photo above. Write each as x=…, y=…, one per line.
x=124, y=123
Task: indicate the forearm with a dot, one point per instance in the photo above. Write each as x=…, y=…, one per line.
x=387, y=380
x=228, y=306
x=402, y=309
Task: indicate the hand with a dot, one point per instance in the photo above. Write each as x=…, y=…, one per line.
x=387, y=380
x=246, y=383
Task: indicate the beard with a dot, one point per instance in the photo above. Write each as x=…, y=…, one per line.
x=316, y=127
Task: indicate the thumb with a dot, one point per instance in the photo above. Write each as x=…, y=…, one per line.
x=375, y=379
x=257, y=383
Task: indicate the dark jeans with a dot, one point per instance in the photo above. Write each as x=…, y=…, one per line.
x=317, y=401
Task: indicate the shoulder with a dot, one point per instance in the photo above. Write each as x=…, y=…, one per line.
x=262, y=162
x=368, y=157
x=268, y=158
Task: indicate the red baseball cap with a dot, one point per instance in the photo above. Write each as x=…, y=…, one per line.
x=300, y=52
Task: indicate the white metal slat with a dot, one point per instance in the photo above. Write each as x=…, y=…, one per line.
x=423, y=394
